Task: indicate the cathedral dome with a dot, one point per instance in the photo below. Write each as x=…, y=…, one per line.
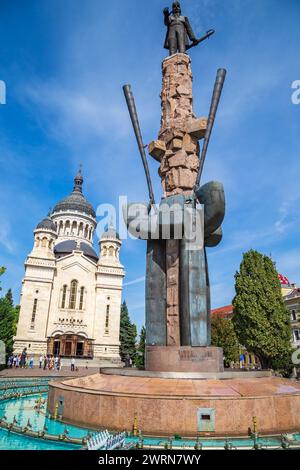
x=76, y=200
x=68, y=246
x=46, y=224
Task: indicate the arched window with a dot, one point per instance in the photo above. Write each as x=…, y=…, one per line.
x=67, y=228
x=64, y=295
x=44, y=242
x=81, y=298
x=111, y=251
x=107, y=320
x=74, y=228
x=73, y=294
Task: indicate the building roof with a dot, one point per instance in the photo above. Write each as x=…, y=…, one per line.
x=223, y=312
x=295, y=292
x=76, y=200
x=68, y=246
x=46, y=224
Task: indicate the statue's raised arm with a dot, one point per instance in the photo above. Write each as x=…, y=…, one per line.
x=180, y=32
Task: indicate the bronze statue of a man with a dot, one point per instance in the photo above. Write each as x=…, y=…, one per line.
x=179, y=30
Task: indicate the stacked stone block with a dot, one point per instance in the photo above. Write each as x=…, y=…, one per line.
x=177, y=148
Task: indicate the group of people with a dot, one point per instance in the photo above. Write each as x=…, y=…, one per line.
x=19, y=360
x=45, y=362
x=55, y=363
x=128, y=361
x=50, y=362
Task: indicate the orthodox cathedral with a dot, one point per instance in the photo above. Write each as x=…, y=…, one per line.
x=71, y=297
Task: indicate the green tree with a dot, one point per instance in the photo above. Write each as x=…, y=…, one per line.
x=140, y=355
x=2, y=271
x=9, y=297
x=223, y=335
x=128, y=334
x=9, y=315
x=261, y=320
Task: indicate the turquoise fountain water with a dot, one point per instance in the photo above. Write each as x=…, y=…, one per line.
x=23, y=409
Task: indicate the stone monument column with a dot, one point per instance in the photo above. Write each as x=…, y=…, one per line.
x=180, y=129
x=178, y=320
x=177, y=284
x=177, y=149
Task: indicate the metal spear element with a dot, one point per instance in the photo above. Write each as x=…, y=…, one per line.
x=135, y=122
x=209, y=33
x=221, y=74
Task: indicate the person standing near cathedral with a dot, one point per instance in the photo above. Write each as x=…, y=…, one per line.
x=23, y=358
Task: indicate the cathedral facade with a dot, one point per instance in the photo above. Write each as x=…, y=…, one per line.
x=71, y=297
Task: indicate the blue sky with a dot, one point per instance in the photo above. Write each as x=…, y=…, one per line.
x=64, y=63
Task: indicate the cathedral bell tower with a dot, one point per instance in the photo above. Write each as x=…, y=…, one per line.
x=109, y=281
x=45, y=236
x=37, y=290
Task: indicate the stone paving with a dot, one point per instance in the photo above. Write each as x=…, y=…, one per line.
x=36, y=372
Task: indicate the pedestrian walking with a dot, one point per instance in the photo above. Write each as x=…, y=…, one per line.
x=23, y=358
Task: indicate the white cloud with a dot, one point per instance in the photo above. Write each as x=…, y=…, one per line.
x=289, y=214
x=77, y=114
x=135, y=281
x=5, y=236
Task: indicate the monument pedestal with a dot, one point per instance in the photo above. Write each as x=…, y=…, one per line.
x=188, y=404
x=184, y=359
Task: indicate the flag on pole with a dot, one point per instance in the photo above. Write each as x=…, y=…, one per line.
x=283, y=280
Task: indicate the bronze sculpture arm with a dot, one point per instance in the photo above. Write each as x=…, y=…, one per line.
x=166, y=16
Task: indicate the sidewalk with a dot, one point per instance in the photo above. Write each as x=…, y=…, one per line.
x=36, y=372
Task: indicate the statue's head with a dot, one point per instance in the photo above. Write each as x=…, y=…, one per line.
x=176, y=7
